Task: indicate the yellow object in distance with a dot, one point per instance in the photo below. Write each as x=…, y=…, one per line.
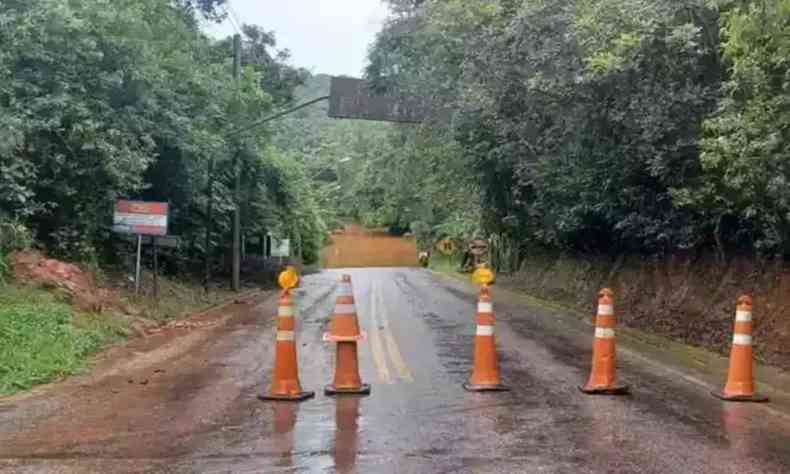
x=289, y=278
x=483, y=275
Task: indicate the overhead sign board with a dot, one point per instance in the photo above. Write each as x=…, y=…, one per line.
x=352, y=98
x=140, y=217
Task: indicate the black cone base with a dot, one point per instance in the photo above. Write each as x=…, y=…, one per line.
x=755, y=397
x=364, y=389
x=616, y=389
x=498, y=387
x=287, y=398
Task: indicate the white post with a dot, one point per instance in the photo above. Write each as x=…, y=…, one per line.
x=137, y=270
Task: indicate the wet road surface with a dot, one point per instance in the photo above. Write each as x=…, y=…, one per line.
x=187, y=402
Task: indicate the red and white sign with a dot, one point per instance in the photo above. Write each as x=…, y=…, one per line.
x=139, y=217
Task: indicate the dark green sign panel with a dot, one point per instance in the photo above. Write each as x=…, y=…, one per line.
x=352, y=99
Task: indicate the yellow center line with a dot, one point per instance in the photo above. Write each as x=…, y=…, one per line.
x=392, y=344
x=376, y=348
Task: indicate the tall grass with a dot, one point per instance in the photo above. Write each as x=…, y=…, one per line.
x=41, y=340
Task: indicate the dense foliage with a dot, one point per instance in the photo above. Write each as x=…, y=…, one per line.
x=101, y=99
x=641, y=126
x=638, y=126
x=381, y=174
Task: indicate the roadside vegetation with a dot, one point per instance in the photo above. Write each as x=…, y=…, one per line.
x=50, y=323
x=102, y=100
x=640, y=127
x=638, y=144
x=41, y=339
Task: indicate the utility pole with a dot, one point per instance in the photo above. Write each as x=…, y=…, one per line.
x=209, y=222
x=237, y=170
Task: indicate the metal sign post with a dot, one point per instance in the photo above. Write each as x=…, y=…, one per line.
x=141, y=218
x=156, y=268
x=137, y=269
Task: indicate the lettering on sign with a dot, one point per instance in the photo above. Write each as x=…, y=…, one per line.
x=140, y=217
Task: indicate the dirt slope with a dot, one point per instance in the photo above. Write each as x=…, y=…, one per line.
x=689, y=299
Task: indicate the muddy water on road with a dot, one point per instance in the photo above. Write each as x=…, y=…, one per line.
x=202, y=414
x=356, y=246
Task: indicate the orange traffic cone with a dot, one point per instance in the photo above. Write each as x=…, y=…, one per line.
x=485, y=374
x=344, y=330
x=602, y=377
x=285, y=382
x=740, y=381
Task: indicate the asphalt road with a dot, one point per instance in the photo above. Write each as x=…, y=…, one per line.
x=185, y=400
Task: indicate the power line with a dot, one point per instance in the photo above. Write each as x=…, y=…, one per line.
x=230, y=19
x=233, y=18
x=234, y=25
x=234, y=15
x=277, y=115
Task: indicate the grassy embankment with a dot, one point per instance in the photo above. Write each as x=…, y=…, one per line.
x=444, y=263
x=43, y=339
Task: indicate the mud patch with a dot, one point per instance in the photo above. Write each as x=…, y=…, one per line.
x=69, y=280
x=359, y=247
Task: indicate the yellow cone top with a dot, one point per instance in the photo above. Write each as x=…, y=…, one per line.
x=483, y=275
x=289, y=278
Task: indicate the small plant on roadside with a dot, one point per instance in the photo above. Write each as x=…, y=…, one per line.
x=4, y=268
x=39, y=341
x=13, y=236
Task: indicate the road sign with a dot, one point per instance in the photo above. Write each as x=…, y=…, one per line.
x=139, y=217
x=280, y=247
x=353, y=98
x=478, y=247
x=169, y=241
x=164, y=241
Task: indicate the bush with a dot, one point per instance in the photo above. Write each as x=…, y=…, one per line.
x=4, y=268
x=13, y=236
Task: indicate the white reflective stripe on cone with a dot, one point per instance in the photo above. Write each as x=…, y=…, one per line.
x=285, y=335
x=345, y=309
x=285, y=311
x=605, y=309
x=485, y=307
x=742, y=339
x=485, y=330
x=743, y=316
x=345, y=290
x=604, y=333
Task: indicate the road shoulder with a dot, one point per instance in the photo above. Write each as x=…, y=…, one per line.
x=696, y=365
